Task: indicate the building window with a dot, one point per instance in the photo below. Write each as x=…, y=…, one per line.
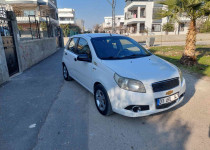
x=156, y=27
x=143, y=13
x=66, y=19
x=182, y=25
x=28, y=12
x=142, y=27
x=156, y=12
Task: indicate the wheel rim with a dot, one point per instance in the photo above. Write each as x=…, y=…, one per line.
x=100, y=100
x=65, y=73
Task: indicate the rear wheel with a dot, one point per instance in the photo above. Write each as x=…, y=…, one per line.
x=66, y=74
x=102, y=100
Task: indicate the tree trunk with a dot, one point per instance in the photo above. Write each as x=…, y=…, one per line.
x=188, y=57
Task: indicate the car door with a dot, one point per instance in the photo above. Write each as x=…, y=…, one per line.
x=84, y=70
x=70, y=57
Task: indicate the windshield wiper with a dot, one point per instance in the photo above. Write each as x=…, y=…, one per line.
x=110, y=58
x=134, y=56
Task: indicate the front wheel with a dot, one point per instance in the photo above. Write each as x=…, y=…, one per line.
x=66, y=74
x=102, y=100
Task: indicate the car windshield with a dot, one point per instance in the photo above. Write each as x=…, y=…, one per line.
x=117, y=47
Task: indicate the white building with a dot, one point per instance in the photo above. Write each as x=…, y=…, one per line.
x=119, y=22
x=42, y=10
x=140, y=17
x=66, y=16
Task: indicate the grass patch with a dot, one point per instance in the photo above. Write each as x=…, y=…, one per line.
x=174, y=53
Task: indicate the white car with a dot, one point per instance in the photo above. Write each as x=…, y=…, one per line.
x=123, y=76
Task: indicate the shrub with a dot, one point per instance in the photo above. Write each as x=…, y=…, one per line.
x=168, y=27
x=205, y=27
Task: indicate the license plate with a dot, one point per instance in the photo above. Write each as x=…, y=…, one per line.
x=166, y=100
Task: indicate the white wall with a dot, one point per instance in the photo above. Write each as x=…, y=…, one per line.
x=108, y=21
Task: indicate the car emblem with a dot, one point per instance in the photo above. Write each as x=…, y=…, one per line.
x=169, y=92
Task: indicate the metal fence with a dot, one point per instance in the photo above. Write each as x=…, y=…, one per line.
x=33, y=27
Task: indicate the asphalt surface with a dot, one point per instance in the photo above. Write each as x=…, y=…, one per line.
x=41, y=111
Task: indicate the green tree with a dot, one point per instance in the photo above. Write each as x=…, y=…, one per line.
x=69, y=29
x=66, y=29
x=43, y=25
x=205, y=26
x=20, y=28
x=192, y=9
x=168, y=27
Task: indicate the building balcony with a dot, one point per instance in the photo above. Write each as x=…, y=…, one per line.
x=26, y=3
x=25, y=20
x=134, y=20
x=65, y=15
x=67, y=22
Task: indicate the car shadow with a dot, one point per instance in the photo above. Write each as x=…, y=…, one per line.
x=159, y=131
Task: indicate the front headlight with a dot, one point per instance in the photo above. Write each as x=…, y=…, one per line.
x=180, y=74
x=129, y=84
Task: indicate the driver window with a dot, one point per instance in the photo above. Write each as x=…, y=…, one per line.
x=83, y=47
x=72, y=44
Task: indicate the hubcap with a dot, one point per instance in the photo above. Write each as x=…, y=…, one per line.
x=100, y=100
x=65, y=73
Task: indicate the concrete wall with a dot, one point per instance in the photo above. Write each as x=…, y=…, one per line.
x=165, y=38
x=33, y=51
x=171, y=38
x=4, y=75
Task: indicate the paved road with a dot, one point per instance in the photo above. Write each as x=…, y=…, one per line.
x=40, y=111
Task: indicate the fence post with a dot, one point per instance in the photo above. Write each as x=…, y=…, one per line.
x=4, y=73
x=12, y=17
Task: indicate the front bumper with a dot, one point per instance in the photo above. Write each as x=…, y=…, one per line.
x=120, y=99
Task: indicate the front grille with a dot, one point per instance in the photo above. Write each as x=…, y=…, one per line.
x=165, y=85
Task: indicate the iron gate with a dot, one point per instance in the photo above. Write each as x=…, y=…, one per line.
x=8, y=42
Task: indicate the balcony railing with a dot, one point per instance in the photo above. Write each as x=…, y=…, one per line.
x=32, y=19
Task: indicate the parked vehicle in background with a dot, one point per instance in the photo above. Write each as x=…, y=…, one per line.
x=123, y=76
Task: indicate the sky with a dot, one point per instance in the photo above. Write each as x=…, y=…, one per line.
x=92, y=11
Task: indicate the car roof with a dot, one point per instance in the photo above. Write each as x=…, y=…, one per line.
x=95, y=35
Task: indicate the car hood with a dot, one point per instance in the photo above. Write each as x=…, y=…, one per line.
x=147, y=69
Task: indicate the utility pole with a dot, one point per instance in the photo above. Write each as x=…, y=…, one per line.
x=113, y=4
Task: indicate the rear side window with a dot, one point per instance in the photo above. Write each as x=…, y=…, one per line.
x=72, y=45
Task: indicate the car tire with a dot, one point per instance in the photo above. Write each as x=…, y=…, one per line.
x=102, y=100
x=66, y=75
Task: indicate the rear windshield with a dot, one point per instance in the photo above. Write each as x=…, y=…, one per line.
x=117, y=47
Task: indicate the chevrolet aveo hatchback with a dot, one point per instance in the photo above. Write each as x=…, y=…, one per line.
x=123, y=76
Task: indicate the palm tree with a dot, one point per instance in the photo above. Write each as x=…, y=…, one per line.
x=192, y=9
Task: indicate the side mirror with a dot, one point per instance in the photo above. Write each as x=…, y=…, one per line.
x=83, y=57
